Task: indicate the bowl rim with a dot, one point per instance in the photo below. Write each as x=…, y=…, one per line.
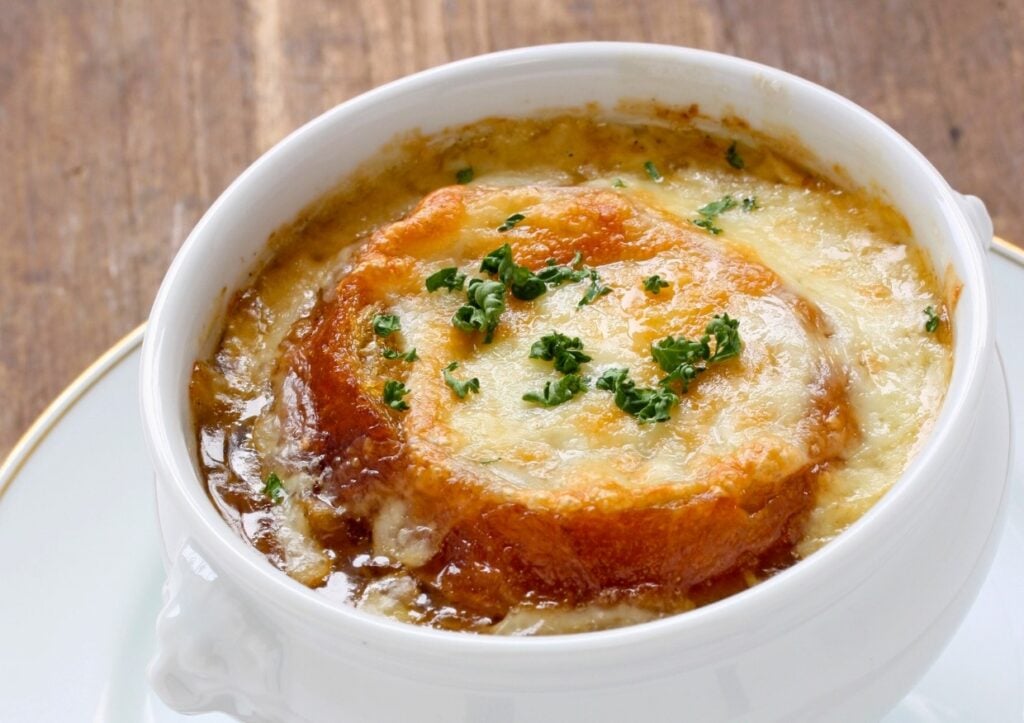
x=174, y=463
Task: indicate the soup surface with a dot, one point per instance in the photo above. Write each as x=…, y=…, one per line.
x=555, y=375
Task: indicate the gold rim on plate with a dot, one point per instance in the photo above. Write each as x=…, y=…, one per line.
x=1007, y=249
x=45, y=422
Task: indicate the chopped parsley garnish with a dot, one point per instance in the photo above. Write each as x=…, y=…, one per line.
x=617, y=183
x=511, y=222
x=680, y=357
x=708, y=225
x=527, y=285
x=393, y=393
x=523, y=283
x=750, y=204
x=727, y=337
x=553, y=275
x=486, y=301
x=386, y=324
x=647, y=405
x=492, y=262
x=565, y=352
x=653, y=172
x=464, y=175
x=655, y=284
x=487, y=297
x=596, y=289
x=733, y=156
x=931, y=325
x=555, y=393
x=274, y=489
x=709, y=211
x=684, y=359
x=461, y=389
x=409, y=356
x=450, y=278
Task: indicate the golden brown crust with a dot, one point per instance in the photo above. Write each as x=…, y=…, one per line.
x=495, y=546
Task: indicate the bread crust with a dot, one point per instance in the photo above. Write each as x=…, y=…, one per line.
x=490, y=546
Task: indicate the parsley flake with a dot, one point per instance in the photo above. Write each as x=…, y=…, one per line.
x=555, y=393
x=931, y=325
x=596, y=290
x=523, y=283
x=486, y=301
x=684, y=359
x=708, y=225
x=617, y=183
x=527, y=285
x=653, y=172
x=464, y=175
x=461, y=389
x=733, y=157
x=510, y=222
x=646, y=404
x=727, y=337
x=449, y=278
x=750, y=204
x=565, y=352
x=492, y=262
x=393, y=393
x=274, y=489
x=386, y=324
x=553, y=275
x=709, y=211
x=409, y=356
x=655, y=284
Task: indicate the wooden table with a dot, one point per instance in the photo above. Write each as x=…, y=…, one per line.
x=121, y=122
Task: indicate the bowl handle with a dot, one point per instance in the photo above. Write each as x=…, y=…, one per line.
x=974, y=208
x=214, y=653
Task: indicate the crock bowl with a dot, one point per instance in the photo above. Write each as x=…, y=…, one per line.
x=840, y=636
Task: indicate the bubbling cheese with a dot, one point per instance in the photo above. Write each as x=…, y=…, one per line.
x=494, y=514
x=589, y=438
x=759, y=397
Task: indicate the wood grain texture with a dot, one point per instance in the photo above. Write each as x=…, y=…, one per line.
x=121, y=122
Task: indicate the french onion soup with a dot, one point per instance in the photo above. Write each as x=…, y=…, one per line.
x=556, y=375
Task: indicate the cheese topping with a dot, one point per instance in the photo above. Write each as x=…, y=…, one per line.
x=760, y=400
x=494, y=513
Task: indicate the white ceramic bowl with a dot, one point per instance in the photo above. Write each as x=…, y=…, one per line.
x=840, y=636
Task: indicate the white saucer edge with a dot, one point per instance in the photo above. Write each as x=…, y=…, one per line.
x=55, y=410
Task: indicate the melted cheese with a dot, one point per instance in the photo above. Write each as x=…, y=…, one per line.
x=858, y=263
x=851, y=257
x=588, y=440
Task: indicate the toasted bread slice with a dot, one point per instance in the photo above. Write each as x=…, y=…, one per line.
x=495, y=502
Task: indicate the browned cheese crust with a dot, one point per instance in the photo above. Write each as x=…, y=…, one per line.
x=492, y=545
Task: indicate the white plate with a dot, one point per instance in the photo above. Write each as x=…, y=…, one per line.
x=80, y=573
